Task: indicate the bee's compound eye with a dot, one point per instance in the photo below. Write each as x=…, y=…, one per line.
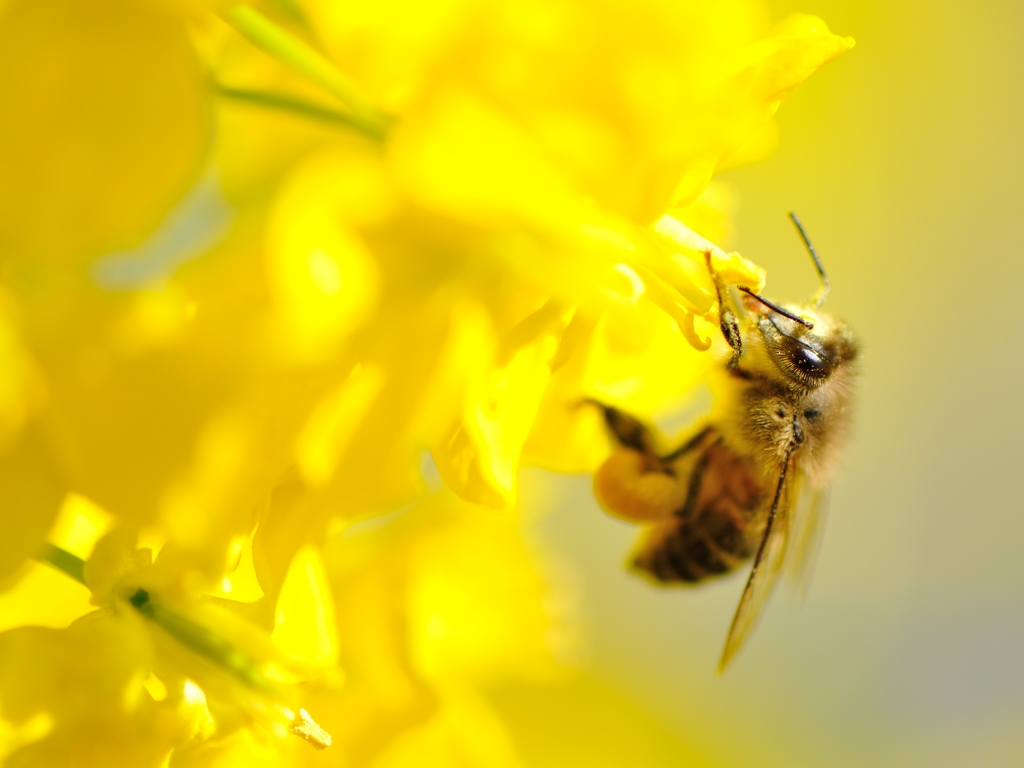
x=809, y=362
x=807, y=359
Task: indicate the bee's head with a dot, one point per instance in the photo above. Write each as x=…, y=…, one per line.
x=807, y=347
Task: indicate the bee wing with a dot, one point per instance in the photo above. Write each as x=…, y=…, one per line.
x=767, y=562
x=807, y=530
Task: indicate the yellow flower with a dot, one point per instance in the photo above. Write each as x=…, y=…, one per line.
x=80, y=695
x=533, y=143
x=633, y=105
x=441, y=227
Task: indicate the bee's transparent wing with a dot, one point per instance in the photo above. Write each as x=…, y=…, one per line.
x=767, y=562
x=807, y=529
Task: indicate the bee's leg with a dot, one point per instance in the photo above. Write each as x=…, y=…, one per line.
x=693, y=487
x=726, y=315
x=700, y=441
x=628, y=431
x=633, y=483
x=688, y=446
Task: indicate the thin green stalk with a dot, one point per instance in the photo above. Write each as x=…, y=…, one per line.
x=286, y=103
x=194, y=635
x=204, y=642
x=228, y=657
x=288, y=10
x=63, y=561
x=290, y=50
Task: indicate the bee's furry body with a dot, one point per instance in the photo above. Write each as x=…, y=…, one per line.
x=760, y=417
x=781, y=412
x=715, y=530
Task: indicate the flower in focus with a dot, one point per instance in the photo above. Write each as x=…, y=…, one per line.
x=442, y=228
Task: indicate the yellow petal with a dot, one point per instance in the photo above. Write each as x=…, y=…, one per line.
x=465, y=158
x=478, y=606
x=479, y=458
x=388, y=45
x=114, y=563
x=754, y=80
x=304, y=627
x=731, y=267
x=710, y=215
x=89, y=680
x=323, y=276
x=79, y=526
x=331, y=427
x=637, y=358
x=43, y=597
x=800, y=45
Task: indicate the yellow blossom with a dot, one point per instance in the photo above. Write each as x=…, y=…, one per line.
x=439, y=229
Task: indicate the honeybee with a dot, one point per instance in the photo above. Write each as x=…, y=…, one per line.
x=728, y=493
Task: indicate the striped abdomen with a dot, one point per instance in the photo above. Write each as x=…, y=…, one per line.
x=716, y=530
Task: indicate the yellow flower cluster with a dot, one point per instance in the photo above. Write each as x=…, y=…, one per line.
x=256, y=263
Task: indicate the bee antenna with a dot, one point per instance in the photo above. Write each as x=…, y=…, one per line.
x=776, y=308
x=822, y=294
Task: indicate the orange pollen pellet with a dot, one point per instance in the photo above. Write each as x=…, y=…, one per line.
x=626, y=487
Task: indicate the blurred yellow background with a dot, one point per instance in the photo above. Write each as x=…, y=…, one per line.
x=904, y=160
x=901, y=159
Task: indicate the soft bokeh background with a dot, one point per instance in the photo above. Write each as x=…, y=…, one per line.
x=904, y=159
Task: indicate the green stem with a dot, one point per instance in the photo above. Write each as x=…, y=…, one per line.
x=289, y=49
x=63, y=561
x=223, y=654
x=190, y=633
x=291, y=12
x=287, y=103
x=204, y=642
